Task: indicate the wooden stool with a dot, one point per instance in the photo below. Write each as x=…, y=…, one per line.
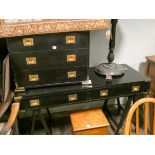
x=89, y=122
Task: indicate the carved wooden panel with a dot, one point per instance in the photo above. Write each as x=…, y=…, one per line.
x=11, y=28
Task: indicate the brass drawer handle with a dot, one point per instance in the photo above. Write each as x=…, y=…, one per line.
x=71, y=74
x=1, y=23
x=72, y=97
x=71, y=58
x=28, y=42
x=135, y=88
x=31, y=61
x=35, y=102
x=34, y=77
x=70, y=39
x=103, y=93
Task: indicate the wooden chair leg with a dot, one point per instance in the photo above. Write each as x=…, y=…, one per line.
x=16, y=128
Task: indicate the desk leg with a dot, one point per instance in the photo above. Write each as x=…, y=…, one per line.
x=42, y=119
x=33, y=121
x=44, y=123
x=108, y=113
x=119, y=105
x=123, y=117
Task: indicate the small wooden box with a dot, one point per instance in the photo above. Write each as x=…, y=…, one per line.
x=90, y=122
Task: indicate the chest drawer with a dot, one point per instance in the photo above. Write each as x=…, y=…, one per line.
x=37, y=78
x=49, y=59
x=49, y=42
x=51, y=100
x=115, y=91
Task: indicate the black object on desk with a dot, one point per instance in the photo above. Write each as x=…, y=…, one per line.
x=130, y=85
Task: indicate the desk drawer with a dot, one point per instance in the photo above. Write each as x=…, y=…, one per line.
x=37, y=78
x=49, y=59
x=51, y=100
x=118, y=90
x=49, y=42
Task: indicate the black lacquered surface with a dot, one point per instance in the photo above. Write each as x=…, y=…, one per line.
x=119, y=86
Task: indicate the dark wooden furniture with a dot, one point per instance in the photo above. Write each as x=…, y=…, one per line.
x=62, y=57
x=150, y=71
x=89, y=122
x=131, y=85
x=135, y=109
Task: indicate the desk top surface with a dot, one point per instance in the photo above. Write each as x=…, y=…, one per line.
x=131, y=76
x=19, y=27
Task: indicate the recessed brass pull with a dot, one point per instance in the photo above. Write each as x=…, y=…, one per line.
x=1, y=23
x=35, y=102
x=71, y=58
x=17, y=98
x=71, y=74
x=31, y=60
x=34, y=77
x=28, y=42
x=70, y=39
x=135, y=88
x=103, y=93
x=72, y=97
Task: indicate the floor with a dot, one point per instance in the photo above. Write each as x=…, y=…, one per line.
x=59, y=125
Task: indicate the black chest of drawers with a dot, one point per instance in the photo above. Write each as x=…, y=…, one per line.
x=49, y=59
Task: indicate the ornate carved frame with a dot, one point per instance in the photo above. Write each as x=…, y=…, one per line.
x=12, y=28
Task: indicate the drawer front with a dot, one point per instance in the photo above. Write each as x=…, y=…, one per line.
x=120, y=90
x=51, y=100
x=49, y=42
x=38, y=78
x=51, y=59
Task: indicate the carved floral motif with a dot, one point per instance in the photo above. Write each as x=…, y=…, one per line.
x=11, y=28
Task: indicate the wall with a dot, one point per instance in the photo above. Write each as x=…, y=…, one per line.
x=135, y=39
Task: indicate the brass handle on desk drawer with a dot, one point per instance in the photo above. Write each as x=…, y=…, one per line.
x=1, y=23
x=71, y=74
x=71, y=58
x=72, y=97
x=31, y=60
x=34, y=77
x=35, y=102
x=70, y=39
x=103, y=93
x=28, y=42
x=135, y=88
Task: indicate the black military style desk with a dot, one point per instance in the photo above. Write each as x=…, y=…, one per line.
x=132, y=84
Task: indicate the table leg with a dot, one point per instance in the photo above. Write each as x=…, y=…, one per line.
x=123, y=117
x=119, y=105
x=33, y=121
x=108, y=114
x=44, y=123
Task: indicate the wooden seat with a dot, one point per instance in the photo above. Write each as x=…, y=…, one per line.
x=7, y=124
x=89, y=122
x=138, y=114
